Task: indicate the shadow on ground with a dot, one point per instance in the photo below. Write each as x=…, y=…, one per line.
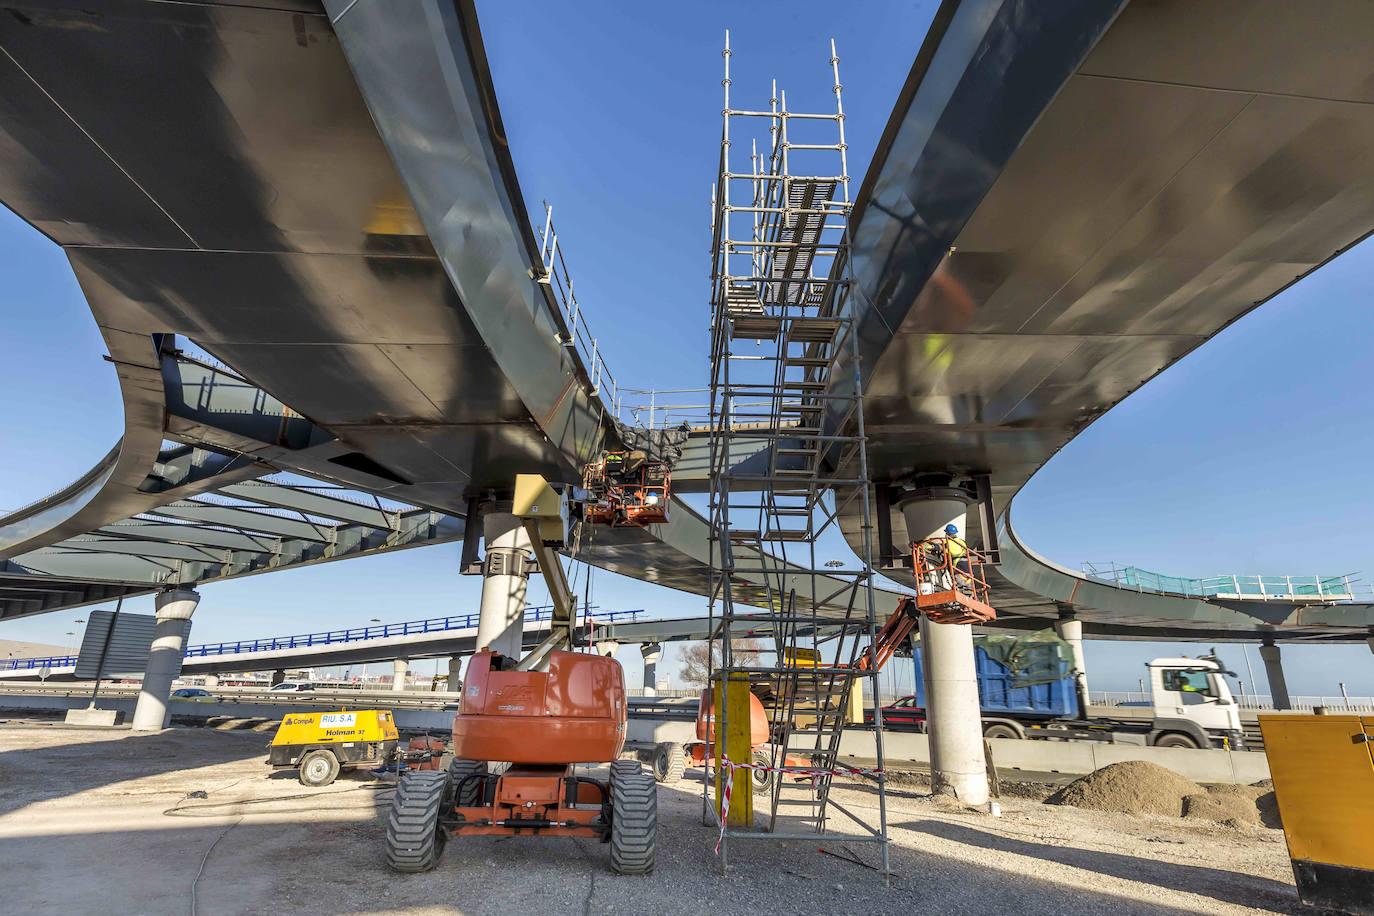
x=1219, y=884
x=29, y=775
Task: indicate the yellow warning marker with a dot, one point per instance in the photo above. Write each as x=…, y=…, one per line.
x=736, y=745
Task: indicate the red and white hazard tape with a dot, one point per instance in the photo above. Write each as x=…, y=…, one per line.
x=815, y=773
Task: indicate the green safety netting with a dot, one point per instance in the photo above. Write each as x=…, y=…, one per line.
x=1035, y=658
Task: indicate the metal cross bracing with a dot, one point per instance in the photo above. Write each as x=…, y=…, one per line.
x=778, y=330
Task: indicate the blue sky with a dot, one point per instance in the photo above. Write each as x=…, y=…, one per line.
x=1249, y=456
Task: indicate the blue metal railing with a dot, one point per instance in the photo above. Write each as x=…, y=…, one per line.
x=356, y=634
x=25, y=664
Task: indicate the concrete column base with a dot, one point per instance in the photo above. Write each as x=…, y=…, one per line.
x=651, y=651
x=953, y=715
x=174, y=610
x=455, y=673
x=1070, y=629
x=501, y=620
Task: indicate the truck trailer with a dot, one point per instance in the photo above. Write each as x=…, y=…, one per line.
x=1038, y=697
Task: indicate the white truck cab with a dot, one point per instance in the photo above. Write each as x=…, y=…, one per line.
x=1193, y=704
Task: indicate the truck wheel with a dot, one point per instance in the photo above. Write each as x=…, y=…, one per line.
x=669, y=763
x=634, y=823
x=413, y=838
x=318, y=768
x=763, y=779
x=1001, y=730
x=1175, y=739
x=467, y=793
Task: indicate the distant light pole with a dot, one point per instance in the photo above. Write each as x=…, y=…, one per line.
x=1345, y=696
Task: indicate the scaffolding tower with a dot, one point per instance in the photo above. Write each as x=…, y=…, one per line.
x=779, y=334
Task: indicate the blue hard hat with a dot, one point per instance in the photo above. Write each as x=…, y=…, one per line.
x=951, y=529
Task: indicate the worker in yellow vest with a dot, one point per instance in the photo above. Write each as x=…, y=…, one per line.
x=958, y=553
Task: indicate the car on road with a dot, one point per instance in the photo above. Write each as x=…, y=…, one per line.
x=194, y=695
x=903, y=715
x=292, y=687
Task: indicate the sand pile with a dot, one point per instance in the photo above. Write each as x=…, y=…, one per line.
x=1138, y=787
x=1134, y=786
x=1235, y=806
x=1229, y=808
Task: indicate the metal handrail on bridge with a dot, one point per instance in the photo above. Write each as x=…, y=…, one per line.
x=556, y=277
x=1248, y=588
x=354, y=634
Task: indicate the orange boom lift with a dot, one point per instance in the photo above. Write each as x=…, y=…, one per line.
x=544, y=723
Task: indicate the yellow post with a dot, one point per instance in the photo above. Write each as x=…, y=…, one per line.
x=856, y=701
x=736, y=745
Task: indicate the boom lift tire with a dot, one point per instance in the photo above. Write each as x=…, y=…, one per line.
x=318, y=768
x=467, y=793
x=634, y=822
x=669, y=763
x=413, y=839
x=622, y=768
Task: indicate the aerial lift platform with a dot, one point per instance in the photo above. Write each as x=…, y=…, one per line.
x=541, y=725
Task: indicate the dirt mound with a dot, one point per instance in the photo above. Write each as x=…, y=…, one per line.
x=1134, y=786
x=1234, y=809
x=1247, y=792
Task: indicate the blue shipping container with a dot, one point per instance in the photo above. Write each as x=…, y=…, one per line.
x=1055, y=700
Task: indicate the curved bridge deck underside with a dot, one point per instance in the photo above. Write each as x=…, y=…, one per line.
x=1068, y=198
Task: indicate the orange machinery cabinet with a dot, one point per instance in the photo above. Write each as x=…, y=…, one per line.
x=1323, y=771
x=572, y=713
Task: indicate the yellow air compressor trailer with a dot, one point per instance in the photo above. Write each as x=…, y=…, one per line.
x=1323, y=770
x=318, y=744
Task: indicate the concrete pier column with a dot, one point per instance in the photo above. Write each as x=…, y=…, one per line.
x=651, y=651
x=174, y=610
x=212, y=680
x=1070, y=629
x=607, y=647
x=1273, y=667
x=953, y=716
x=501, y=623
x=398, y=677
x=455, y=673
x=277, y=677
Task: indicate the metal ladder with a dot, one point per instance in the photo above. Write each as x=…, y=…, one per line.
x=784, y=387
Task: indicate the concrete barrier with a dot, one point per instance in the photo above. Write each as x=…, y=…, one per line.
x=1074, y=758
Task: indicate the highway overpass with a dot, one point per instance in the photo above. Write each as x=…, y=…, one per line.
x=384, y=326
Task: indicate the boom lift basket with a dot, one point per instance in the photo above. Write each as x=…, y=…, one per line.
x=947, y=591
x=627, y=490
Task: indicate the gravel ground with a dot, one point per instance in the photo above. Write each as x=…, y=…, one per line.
x=85, y=827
